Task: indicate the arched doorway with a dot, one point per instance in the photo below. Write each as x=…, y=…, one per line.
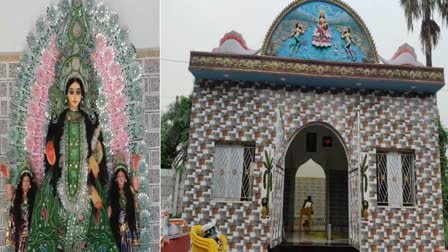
x=318, y=149
x=310, y=182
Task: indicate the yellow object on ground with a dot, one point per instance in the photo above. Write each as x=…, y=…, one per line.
x=201, y=244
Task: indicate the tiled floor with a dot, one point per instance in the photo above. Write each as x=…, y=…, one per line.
x=315, y=237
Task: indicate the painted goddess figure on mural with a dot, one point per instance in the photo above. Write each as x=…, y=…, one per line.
x=322, y=34
x=298, y=40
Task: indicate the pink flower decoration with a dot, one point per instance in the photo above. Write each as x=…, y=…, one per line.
x=120, y=119
x=36, y=91
x=29, y=143
x=38, y=141
x=44, y=94
x=37, y=162
x=46, y=58
x=119, y=85
x=50, y=75
x=108, y=56
x=41, y=75
x=32, y=108
x=114, y=70
x=38, y=124
x=30, y=126
x=113, y=121
x=35, y=121
x=100, y=42
x=120, y=103
x=110, y=90
x=115, y=144
x=124, y=139
x=100, y=66
x=124, y=120
x=33, y=163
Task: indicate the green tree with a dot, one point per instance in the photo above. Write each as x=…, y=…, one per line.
x=175, y=127
x=443, y=142
x=425, y=10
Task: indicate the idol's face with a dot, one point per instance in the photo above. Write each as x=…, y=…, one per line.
x=26, y=184
x=121, y=179
x=74, y=96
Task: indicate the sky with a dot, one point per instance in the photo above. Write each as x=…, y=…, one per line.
x=199, y=25
x=18, y=18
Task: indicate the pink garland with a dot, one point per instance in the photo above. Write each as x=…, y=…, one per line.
x=113, y=84
x=36, y=119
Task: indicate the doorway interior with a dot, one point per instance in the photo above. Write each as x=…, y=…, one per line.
x=316, y=165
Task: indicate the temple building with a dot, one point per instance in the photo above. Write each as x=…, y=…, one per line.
x=315, y=113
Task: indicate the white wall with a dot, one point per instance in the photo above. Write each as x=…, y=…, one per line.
x=18, y=17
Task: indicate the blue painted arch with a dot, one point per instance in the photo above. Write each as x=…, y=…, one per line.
x=320, y=30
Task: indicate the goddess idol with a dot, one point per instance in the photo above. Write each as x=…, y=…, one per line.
x=124, y=208
x=70, y=206
x=77, y=104
x=21, y=210
x=70, y=214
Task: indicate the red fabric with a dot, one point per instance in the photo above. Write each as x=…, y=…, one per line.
x=181, y=244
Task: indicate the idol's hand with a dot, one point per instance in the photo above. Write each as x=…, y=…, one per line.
x=7, y=176
x=5, y=171
x=135, y=183
x=93, y=165
x=164, y=241
x=96, y=199
x=135, y=162
x=98, y=152
x=50, y=153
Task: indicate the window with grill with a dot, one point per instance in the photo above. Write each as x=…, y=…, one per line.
x=396, y=179
x=233, y=172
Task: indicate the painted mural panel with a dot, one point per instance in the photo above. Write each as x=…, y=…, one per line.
x=277, y=200
x=354, y=183
x=321, y=30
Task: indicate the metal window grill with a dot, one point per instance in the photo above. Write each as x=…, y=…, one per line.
x=233, y=172
x=382, y=178
x=408, y=174
x=247, y=181
x=396, y=179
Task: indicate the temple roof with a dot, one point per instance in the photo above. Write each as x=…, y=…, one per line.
x=317, y=44
x=313, y=73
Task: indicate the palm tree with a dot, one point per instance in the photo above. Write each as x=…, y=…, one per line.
x=425, y=10
x=267, y=177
